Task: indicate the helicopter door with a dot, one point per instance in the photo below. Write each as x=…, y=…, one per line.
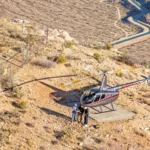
x=97, y=98
x=102, y=96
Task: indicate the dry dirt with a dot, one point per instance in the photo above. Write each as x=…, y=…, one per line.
x=87, y=21
x=45, y=123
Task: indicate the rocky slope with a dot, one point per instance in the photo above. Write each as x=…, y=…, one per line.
x=34, y=115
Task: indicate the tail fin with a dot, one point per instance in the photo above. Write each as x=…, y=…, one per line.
x=147, y=78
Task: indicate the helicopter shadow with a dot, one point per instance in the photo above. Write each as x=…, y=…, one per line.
x=68, y=98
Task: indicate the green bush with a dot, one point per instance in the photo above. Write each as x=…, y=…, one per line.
x=69, y=44
x=22, y=104
x=108, y=46
x=121, y=74
x=61, y=59
x=97, y=56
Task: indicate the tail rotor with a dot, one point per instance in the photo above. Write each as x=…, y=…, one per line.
x=147, y=78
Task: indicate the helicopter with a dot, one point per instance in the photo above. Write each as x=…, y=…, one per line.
x=106, y=94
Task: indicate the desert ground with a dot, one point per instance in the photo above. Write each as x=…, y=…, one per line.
x=33, y=99
x=33, y=111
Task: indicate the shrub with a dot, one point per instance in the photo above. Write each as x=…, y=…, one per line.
x=126, y=58
x=29, y=124
x=69, y=44
x=44, y=62
x=108, y=46
x=61, y=59
x=147, y=65
x=17, y=92
x=22, y=104
x=121, y=74
x=59, y=134
x=97, y=56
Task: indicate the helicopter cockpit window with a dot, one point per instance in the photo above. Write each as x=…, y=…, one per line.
x=89, y=93
x=103, y=96
x=89, y=97
x=99, y=97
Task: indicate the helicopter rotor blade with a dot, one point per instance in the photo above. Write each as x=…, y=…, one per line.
x=132, y=69
x=82, y=79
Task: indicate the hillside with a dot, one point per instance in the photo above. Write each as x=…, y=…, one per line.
x=34, y=114
x=135, y=52
x=86, y=21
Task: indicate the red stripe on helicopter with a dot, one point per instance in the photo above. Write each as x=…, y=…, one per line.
x=103, y=99
x=127, y=85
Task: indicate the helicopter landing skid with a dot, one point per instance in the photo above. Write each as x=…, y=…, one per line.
x=109, y=109
x=101, y=109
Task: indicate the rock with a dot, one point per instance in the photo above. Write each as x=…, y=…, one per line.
x=81, y=144
x=17, y=20
x=107, y=135
x=131, y=148
x=65, y=35
x=146, y=129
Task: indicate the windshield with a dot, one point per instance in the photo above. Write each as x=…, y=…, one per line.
x=89, y=93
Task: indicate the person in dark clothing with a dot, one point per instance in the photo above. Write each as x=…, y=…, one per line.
x=80, y=113
x=86, y=116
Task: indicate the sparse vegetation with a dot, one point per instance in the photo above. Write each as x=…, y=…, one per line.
x=59, y=134
x=61, y=59
x=17, y=92
x=121, y=74
x=138, y=53
x=52, y=128
x=69, y=44
x=108, y=46
x=44, y=62
x=22, y=104
x=97, y=56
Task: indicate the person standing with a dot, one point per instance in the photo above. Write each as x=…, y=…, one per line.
x=86, y=116
x=80, y=113
x=74, y=112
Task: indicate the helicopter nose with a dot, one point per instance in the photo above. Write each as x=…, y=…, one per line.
x=82, y=99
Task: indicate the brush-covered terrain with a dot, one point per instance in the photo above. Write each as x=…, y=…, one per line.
x=33, y=110
x=88, y=21
x=138, y=53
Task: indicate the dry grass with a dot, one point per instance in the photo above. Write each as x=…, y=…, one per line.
x=137, y=51
x=44, y=62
